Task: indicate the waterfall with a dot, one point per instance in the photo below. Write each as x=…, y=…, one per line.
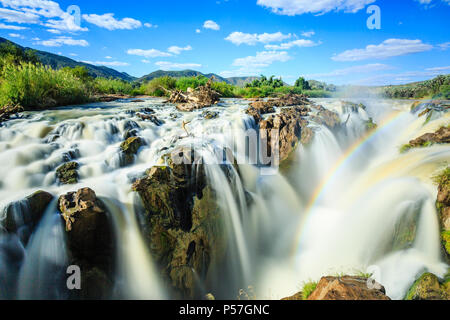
x=351, y=203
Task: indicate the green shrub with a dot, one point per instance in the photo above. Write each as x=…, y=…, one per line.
x=153, y=87
x=190, y=82
x=112, y=86
x=35, y=86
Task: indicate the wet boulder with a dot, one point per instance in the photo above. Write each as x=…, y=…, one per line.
x=129, y=148
x=209, y=115
x=23, y=216
x=347, y=288
x=7, y=112
x=182, y=223
x=90, y=241
x=151, y=118
x=67, y=173
x=428, y=287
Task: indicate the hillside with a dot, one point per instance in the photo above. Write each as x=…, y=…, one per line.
x=58, y=62
x=237, y=81
x=241, y=81
x=178, y=74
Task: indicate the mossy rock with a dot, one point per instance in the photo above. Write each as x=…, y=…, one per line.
x=67, y=173
x=130, y=148
x=427, y=287
x=445, y=236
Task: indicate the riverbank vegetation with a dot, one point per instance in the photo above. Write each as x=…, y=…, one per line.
x=437, y=88
x=27, y=83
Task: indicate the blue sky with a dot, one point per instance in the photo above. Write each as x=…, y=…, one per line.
x=326, y=40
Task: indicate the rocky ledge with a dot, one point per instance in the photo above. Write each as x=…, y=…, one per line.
x=344, y=288
x=182, y=222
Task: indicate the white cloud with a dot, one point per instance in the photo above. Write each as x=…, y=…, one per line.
x=209, y=24
x=298, y=7
x=73, y=55
x=176, y=66
x=54, y=31
x=178, y=50
x=308, y=34
x=45, y=8
x=11, y=27
x=108, y=57
x=387, y=49
x=108, y=63
x=60, y=41
x=438, y=69
x=16, y=35
x=198, y=31
x=108, y=21
x=149, y=25
x=151, y=53
x=18, y=16
x=352, y=70
x=239, y=38
x=145, y=61
x=427, y=3
x=262, y=59
x=444, y=46
x=296, y=43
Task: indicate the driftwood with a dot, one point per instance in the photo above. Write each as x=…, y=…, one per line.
x=202, y=97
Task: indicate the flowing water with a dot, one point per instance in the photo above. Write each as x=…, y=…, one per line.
x=341, y=209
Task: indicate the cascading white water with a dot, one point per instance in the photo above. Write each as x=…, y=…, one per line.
x=340, y=210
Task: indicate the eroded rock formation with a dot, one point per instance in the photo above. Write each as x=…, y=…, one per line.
x=182, y=223
x=439, y=137
x=90, y=241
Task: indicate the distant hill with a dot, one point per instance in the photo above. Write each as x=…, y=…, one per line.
x=241, y=81
x=237, y=81
x=57, y=62
x=179, y=74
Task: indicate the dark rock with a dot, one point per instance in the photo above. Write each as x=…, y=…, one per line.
x=182, y=223
x=67, y=173
x=27, y=213
x=130, y=148
x=208, y=115
x=90, y=241
x=151, y=118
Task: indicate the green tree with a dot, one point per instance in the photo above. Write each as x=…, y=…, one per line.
x=302, y=84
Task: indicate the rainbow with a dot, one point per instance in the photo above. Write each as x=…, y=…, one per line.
x=335, y=170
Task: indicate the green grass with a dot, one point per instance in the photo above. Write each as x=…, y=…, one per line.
x=34, y=86
x=308, y=289
x=443, y=178
x=112, y=86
